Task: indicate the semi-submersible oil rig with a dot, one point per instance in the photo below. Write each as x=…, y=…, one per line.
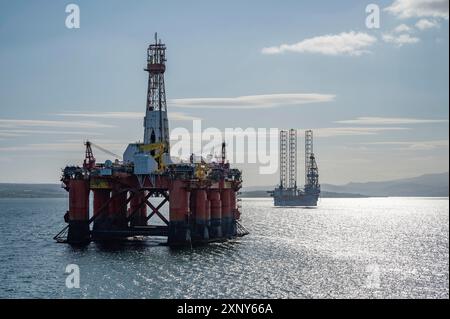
x=287, y=193
x=202, y=197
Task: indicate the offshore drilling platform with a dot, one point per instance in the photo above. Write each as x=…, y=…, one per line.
x=202, y=197
x=287, y=193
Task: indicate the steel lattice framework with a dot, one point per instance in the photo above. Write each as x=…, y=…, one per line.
x=288, y=158
x=292, y=158
x=308, y=152
x=156, y=66
x=284, y=160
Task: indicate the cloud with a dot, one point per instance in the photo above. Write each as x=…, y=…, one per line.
x=104, y=115
x=179, y=116
x=173, y=116
x=390, y=121
x=318, y=132
x=45, y=147
x=21, y=132
x=419, y=8
x=12, y=133
x=351, y=131
x=402, y=28
x=4, y=134
x=15, y=123
x=415, y=145
x=400, y=40
x=253, y=101
x=59, y=147
x=345, y=43
x=424, y=24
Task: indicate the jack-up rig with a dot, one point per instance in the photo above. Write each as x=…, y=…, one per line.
x=202, y=197
x=287, y=193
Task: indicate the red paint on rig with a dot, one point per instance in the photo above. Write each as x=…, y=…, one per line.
x=128, y=194
x=78, y=214
x=216, y=213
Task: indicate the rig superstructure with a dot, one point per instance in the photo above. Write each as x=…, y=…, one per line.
x=202, y=196
x=288, y=193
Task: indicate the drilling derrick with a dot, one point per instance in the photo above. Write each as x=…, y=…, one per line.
x=311, y=170
x=156, y=125
x=312, y=175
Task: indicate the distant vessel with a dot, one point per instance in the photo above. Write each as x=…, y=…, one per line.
x=287, y=193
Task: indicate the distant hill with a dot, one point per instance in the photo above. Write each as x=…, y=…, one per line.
x=9, y=190
x=429, y=185
x=324, y=194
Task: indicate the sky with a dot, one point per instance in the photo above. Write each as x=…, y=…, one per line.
x=376, y=98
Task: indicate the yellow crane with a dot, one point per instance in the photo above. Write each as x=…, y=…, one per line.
x=158, y=149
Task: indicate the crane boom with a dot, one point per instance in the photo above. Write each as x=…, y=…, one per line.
x=105, y=150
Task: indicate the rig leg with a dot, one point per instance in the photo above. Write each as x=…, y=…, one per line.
x=233, y=208
x=179, y=229
x=78, y=212
x=227, y=215
x=201, y=232
x=215, y=229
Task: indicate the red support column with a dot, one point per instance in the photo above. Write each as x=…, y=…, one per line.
x=79, y=200
x=226, y=212
x=233, y=209
x=179, y=232
x=78, y=211
x=215, y=230
x=201, y=220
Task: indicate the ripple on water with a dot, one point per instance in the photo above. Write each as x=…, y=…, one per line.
x=345, y=248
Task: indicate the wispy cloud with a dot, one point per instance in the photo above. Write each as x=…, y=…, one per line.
x=174, y=116
x=390, y=121
x=104, y=115
x=179, y=116
x=16, y=123
x=253, y=101
x=424, y=24
x=4, y=134
x=41, y=147
x=402, y=28
x=419, y=8
x=352, y=131
x=318, y=132
x=345, y=43
x=400, y=40
x=58, y=147
x=415, y=145
x=21, y=132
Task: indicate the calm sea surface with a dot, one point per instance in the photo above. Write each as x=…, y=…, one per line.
x=345, y=248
